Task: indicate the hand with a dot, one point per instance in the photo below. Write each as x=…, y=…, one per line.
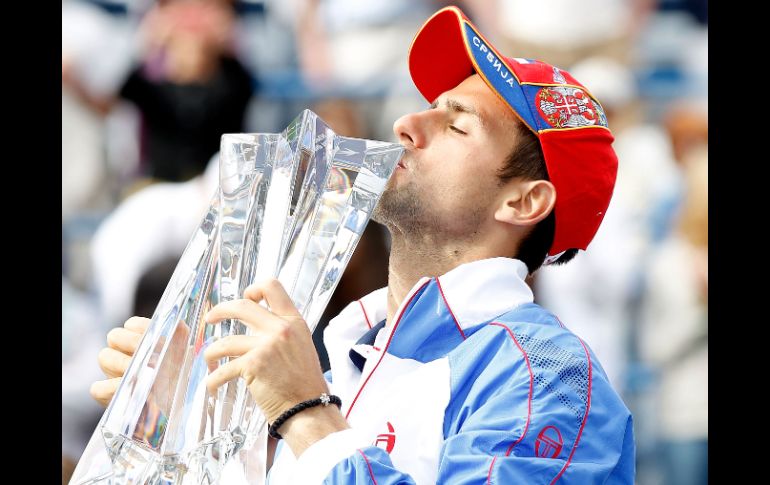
x=278, y=362
x=114, y=359
x=122, y=344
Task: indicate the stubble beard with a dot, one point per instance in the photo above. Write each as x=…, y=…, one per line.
x=400, y=209
x=403, y=211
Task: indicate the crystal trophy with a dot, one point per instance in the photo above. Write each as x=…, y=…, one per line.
x=291, y=206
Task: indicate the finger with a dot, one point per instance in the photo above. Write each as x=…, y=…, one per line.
x=137, y=324
x=247, y=311
x=103, y=391
x=124, y=340
x=273, y=292
x=113, y=363
x=230, y=346
x=223, y=374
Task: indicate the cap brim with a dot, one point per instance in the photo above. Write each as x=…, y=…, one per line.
x=449, y=48
x=438, y=58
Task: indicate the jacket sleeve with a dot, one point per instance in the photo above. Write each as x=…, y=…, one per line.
x=547, y=445
x=346, y=457
x=535, y=410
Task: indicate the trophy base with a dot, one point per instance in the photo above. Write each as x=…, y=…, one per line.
x=139, y=465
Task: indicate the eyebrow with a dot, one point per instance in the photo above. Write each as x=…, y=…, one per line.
x=458, y=107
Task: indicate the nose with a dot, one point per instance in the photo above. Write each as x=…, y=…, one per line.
x=410, y=130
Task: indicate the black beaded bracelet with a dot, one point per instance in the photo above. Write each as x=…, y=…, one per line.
x=324, y=400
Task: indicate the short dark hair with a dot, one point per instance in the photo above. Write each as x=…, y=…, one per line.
x=527, y=160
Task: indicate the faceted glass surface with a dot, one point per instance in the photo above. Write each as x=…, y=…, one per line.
x=292, y=206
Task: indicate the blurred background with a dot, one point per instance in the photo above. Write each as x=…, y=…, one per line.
x=148, y=88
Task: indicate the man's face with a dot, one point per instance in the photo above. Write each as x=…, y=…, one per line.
x=447, y=183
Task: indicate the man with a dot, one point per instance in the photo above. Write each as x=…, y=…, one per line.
x=452, y=374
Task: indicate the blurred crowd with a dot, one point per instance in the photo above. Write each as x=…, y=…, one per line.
x=148, y=88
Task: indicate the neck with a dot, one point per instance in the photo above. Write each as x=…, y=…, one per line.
x=414, y=258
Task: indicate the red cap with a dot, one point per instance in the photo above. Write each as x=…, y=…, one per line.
x=569, y=122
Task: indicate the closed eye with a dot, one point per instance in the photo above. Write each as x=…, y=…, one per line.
x=457, y=130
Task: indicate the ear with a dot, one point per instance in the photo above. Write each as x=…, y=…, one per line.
x=526, y=202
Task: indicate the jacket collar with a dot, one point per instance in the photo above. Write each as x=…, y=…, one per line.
x=436, y=315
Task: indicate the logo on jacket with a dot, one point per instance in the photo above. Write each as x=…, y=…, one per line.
x=387, y=440
x=549, y=442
